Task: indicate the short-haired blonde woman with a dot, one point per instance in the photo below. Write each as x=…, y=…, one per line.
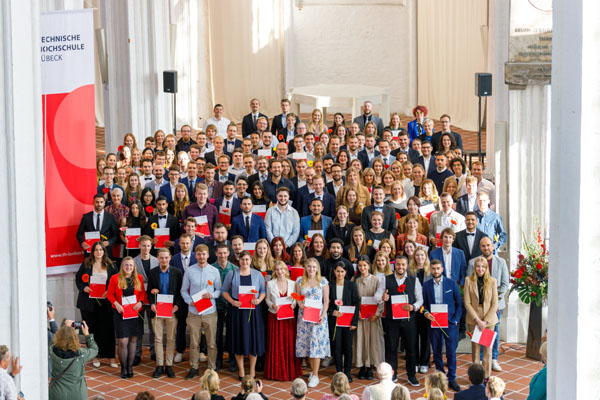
x=68, y=359
x=339, y=386
x=312, y=339
x=481, y=304
x=210, y=382
x=281, y=361
x=400, y=392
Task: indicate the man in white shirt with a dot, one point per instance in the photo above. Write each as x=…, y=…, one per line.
x=445, y=218
x=468, y=202
x=383, y=389
x=147, y=175
x=158, y=181
x=426, y=160
x=385, y=155
x=219, y=121
x=484, y=185
x=8, y=389
x=309, y=138
x=249, y=164
x=282, y=220
x=237, y=167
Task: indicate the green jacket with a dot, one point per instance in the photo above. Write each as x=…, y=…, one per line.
x=71, y=385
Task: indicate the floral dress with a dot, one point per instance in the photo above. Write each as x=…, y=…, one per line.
x=312, y=340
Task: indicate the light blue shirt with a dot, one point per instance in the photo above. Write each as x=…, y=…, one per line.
x=196, y=279
x=283, y=223
x=438, y=290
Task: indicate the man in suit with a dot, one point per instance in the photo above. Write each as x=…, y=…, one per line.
x=468, y=202
x=338, y=180
x=384, y=154
x=281, y=153
x=441, y=290
x=189, y=228
x=405, y=148
x=163, y=220
x=168, y=190
x=300, y=179
x=158, y=181
x=185, y=257
x=453, y=259
x=499, y=271
x=100, y=221
x=369, y=153
x=439, y=174
x=223, y=175
x=402, y=328
x=426, y=160
x=468, y=239
x=214, y=155
x=167, y=280
x=106, y=188
x=190, y=180
x=327, y=199
x=214, y=187
x=476, y=391
x=490, y=222
x=296, y=145
x=280, y=120
x=314, y=221
x=288, y=134
x=305, y=190
x=250, y=226
x=445, y=120
x=219, y=237
x=249, y=120
x=232, y=142
x=367, y=116
x=445, y=218
x=227, y=203
x=262, y=173
x=389, y=213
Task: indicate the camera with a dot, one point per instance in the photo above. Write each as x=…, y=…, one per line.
x=49, y=305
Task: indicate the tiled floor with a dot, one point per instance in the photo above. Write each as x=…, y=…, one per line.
x=104, y=380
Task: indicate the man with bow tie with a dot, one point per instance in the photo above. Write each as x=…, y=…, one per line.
x=232, y=141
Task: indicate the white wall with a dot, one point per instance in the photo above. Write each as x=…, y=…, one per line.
x=355, y=44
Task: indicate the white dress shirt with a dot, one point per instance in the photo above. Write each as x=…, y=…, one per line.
x=221, y=125
x=447, y=261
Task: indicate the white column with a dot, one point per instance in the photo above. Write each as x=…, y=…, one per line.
x=574, y=316
x=23, y=293
x=138, y=48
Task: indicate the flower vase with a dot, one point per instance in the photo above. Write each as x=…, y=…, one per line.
x=534, y=332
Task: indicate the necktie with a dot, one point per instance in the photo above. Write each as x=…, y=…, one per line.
x=254, y=119
x=227, y=204
x=263, y=178
x=162, y=217
x=97, y=222
x=185, y=261
x=192, y=183
x=385, y=161
x=247, y=224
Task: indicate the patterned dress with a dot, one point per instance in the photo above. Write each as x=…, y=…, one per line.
x=312, y=340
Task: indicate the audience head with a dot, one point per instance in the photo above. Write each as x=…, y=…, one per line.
x=248, y=384
x=66, y=339
x=437, y=380
x=400, y=392
x=4, y=356
x=385, y=371
x=495, y=387
x=299, y=389
x=145, y=395
x=435, y=394
x=210, y=381
x=339, y=384
x=476, y=374
x=201, y=395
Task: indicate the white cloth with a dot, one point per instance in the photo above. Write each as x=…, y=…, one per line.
x=379, y=391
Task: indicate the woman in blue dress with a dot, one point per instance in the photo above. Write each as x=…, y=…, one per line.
x=312, y=340
x=248, y=337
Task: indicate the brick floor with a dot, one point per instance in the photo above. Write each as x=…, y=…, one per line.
x=105, y=380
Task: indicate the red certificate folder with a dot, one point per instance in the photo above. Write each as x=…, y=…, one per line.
x=97, y=286
x=398, y=301
x=312, y=311
x=246, y=296
x=368, y=307
x=225, y=215
x=128, y=311
x=132, y=235
x=250, y=247
x=91, y=238
x=201, y=303
x=347, y=314
x=485, y=338
x=164, y=305
x=161, y=235
x=202, y=226
x=440, y=312
x=260, y=210
x=285, y=308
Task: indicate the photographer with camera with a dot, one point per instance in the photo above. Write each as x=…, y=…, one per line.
x=68, y=359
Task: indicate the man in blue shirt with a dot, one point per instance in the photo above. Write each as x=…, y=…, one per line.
x=490, y=222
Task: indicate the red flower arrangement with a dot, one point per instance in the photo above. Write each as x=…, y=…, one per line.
x=530, y=279
x=120, y=148
x=280, y=137
x=297, y=297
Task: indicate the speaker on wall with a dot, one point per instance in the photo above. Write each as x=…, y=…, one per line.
x=483, y=84
x=170, y=81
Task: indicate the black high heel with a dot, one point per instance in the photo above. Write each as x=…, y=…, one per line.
x=130, y=372
x=124, y=374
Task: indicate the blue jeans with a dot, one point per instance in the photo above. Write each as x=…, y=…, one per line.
x=497, y=341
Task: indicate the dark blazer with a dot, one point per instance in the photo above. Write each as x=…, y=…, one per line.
x=349, y=298
x=253, y=178
x=389, y=217
x=236, y=143
x=360, y=120
x=327, y=268
x=301, y=193
x=100, y=190
x=230, y=177
x=175, y=280
x=474, y=392
x=336, y=231
x=109, y=228
x=212, y=245
x=329, y=188
x=459, y=264
x=234, y=205
x=462, y=205
x=278, y=125
x=248, y=125
x=165, y=190
x=210, y=157
x=217, y=190
x=328, y=204
x=178, y=264
x=257, y=228
x=461, y=243
x=364, y=157
x=190, y=188
x=172, y=224
x=295, y=183
x=412, y=153
x=197, y=241
x=451, y=297
x=84, y=303
x=419, y=160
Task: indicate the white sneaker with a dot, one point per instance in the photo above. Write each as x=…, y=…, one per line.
x=203, y=357
x=326, y=362
x=496, y=366
x=313, y=381
x=424, y=369
x=416, y=369
x=96, y=363
x=178, y=358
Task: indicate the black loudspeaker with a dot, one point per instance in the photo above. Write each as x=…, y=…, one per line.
x=170, y=81
x=483, y=84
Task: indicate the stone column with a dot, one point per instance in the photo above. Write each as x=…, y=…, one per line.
x=22, y=243
x=573, y=316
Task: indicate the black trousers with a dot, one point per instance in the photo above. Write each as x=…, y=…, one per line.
x=342, y=346
x=180, y=341
x=423, y=346
x=394, y=330
x=100, y=323
x=223, y=320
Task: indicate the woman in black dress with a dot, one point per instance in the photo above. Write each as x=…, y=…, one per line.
x=259, y=197
x=97, y=312
x=341, y=227
x=148, y=201
x=249, y=340
x=376, y=234
x=136, y=219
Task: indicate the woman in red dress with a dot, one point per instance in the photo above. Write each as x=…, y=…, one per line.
x=281, y=362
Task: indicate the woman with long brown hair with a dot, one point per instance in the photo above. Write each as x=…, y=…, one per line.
x=278, y=250
x=317, y=248
x=358, y=246
x=180, y=201
x=353, y=183
x=97, y=311
x=127, y=287
x=262, y=260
